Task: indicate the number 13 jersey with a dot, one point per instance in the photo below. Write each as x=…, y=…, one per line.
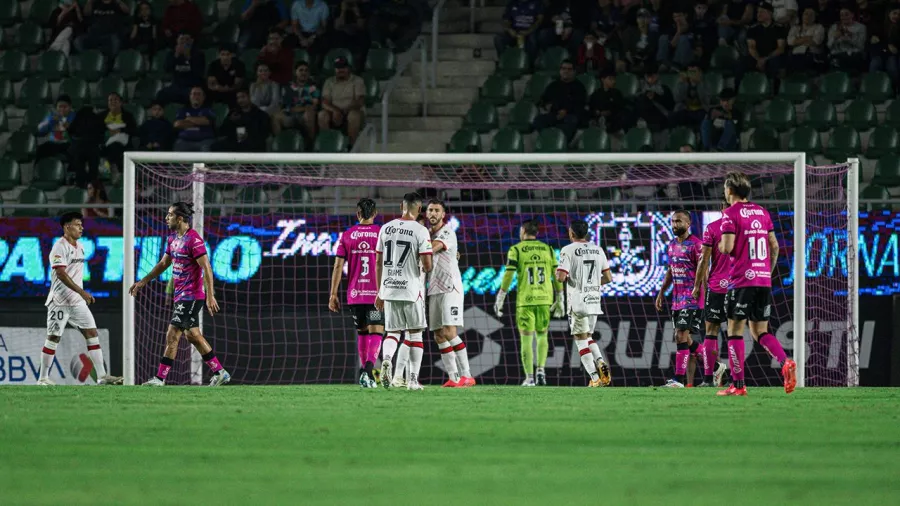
x=400, y=243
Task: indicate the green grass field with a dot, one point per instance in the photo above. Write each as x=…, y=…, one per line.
x=488, y=445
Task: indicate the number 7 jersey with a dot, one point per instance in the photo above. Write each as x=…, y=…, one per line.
x=400, y=243
x=535, y=265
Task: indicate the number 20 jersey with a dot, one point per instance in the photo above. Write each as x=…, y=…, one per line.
x=750, y=224
x=400, y=243
x=357, y=248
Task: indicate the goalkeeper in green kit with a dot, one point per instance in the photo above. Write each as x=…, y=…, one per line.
x=535, y=265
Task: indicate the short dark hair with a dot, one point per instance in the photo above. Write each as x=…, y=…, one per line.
x=438, y=202
x=64, y=98
x=683, y=212
x=579, y=229
x=366, y=207
x=566, y=61
x=531, y=227
x=412, y=198
x=301, y=63
x=183, y=209
x=739, y=184
x=69, y=217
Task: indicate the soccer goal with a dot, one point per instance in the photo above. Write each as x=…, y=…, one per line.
x=272, y=221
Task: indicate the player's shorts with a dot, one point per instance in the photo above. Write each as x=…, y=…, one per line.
x=445, y=310
x=752, y=303
x=533, y=318
x=404, y=315
x=582, y=323
x=365, y=315
x=687, y=319
x=187, y=314
x=78, y=316
x=714, y=312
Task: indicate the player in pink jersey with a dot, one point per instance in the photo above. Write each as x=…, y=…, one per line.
x=357, y=249
x=193, y=283
x=713, y=278
x=748, y=236
x=684, y=257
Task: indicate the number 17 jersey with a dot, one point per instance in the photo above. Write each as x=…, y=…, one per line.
x=400, y=243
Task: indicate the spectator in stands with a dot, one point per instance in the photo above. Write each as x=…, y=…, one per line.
x=784, y=12
x=735, y=17
x=309, y=22
x=96, y=194
x=561, y=31
x=195, y=124
x=872, y=15
x=807, y=43
x=654, y=102
x=257, y=18
x=828, y=12
x=885, y=56
x=246, y=128
x=765, y=44
x=144, y=32
x=720, y=130
x=279, y=59
x=105, y=21
x=693, y=98
x=521, y=21
x=847, y=43
x=186, y=64
x=120, y=126
x=343, y=101
x=591, y=54
x=676, y=48
x=396, y=24
x=607, y=105
x=181, y=16
x=56, y=127
x=225, y=76
x=156, y=133
x=300, y=103
x=606, y=21
x=66, y=23
x=563, y=102
x=264, y=92
x=350, y=30
x=705, y=31
x=639, y=45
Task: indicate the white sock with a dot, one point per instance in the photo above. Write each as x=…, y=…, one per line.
x=47, y=356
x=93, y=346
x=402, y=360
x=595, y=350
x=587, y=358
x=462, y=356
x=389, y=345
x=448, y=357
x=540, y=370
x=416, y=350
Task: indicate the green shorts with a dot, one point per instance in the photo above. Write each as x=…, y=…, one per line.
x=533, y=318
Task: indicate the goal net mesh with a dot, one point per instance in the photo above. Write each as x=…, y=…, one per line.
x=272, y=229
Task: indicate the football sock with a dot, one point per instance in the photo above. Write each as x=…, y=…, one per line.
x=402, y=360
x=595, y=350
x=370, y=370
x=543, y=345
x=527, y=353
x=462, y=356
x=212, y=362
x=389, y=346
x=736, y=359
x=165, y=365
x=710, y=357
x=448, y=357
x=96, y=354
x=373, y=347
x=771, y=344
x=416, y=350
x=362, y=347
x=681, y=362
x=47, y=355
x=587, y=358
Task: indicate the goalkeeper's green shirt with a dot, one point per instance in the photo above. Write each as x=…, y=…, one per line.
x=535, y=265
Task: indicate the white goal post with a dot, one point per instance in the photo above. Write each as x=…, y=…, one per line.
x=798, y=160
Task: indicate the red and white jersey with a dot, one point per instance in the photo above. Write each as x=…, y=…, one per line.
x=445, y=276
x=65, y=255
x=400, y=243
x=585, y=263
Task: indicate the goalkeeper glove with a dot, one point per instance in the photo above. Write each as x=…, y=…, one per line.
x=557, y=309
x=498, y=305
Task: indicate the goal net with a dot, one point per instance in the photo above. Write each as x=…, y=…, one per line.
x=272, y=223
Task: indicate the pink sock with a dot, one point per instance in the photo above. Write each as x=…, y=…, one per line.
x=710, y=355
x=163, y=371
x=362, y=347
x=771, y=344
x=681, y=361
x=373, y=347
x=214, y=365
x=736, y=360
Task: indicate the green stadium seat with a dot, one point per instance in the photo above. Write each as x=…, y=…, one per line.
x=805, y=139
x=227, y=32
x=75, y=196
x=53, y=66
x=209, y=9
x=35, y=90
x=835, y=87
x=380, y=63
x=681, y=136
x=820, y=115
x=296, y=194
x=522, y=115
x=875, y=192
x=158, y=66
x=876, y=87
x=252, y=195
x=482, y=117
x=594, y=140
x=33, y=196
x=590, y=83
x=213, y=200
x=513, y=63
x=139, y=113
x=892, y=114
x=724, y=60
x=41, y=10
x=14, y=65
x=887, y=171
x=300, y=55
x=508, y=140
x=843, y=143
x=10, y=13
x=497, y=90
x=171, y=111
x=861, y=115
x=669, y=80
x=331, y=141
x=29, y=37
x=4, y=121
x=107, y=85
x=33, y=117
x=714, y=82
x=235, y=9
x=129, y=65
x=248, y=58
x=10, y=174
x=534, y=90
x=328, y=62
x=7, y=97
x=551, y=140
x=884, y=140
x=780, y=114
x=373, y=90
x=221, y=112
x=628, y=84
x=287, y=141
x=91, y=65
x=797, y=90
x=550, y=60
x=754, y=88
x=464, y=141
x=784, y=190
x=764, y=140
x=49, y=174
x=638, y=140
x=145, y=91
x=116, y=195
x=77, y=89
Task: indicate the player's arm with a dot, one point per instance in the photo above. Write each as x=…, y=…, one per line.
x=379, y=304
x=427, y=263
x=556, y=308
x=726, y=245
x=561, y=275
x=64, y=278
x=211, y=303
x=154, y=273
x=437, y=247
x=606, y=277
x=773, y=250
x=512, y=264
x=702, y=271
x=667, y=282
x=334, y=302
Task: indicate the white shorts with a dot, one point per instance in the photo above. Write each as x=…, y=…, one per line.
x=78, y=316
x=445, y=310
x=582, y=324
x=402, y=315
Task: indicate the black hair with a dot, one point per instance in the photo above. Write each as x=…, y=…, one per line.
x=412, y=199
x=683, y=212
x=579, y=229
x=64, y=98
x=301, y=63
x=438, y=202
x=366, y=208
x=69, y=217
x=531, y=227
x=566, y=61
x=184, y=209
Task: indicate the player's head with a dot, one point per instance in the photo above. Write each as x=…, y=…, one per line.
x=179, y=213
x=72, y=224
x=681, y=222
x=578, y=230
x=737, y=187
x=436, y=212
x=529, y=230
x=366, y=210
x=412, y=203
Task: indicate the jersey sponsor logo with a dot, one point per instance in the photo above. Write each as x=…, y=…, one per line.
x=54, y=327
x=454, y=311
x=591, y=299
x=363, y=245
x=750, y=274
x=756, y=225
x=527, y=249
x=723, y=283
x=535, y=258
x=354, y=293
x=682, y=321
x=176, y=319
x=586, y=251
x=400, y=231
x=747, y=212
x=399, y=284
x=767, y=311
x=356, y=234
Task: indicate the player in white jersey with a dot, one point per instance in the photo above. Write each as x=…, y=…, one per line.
x=67, y=302
x=584, y=269
x=445, y=298
x=401, y=295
